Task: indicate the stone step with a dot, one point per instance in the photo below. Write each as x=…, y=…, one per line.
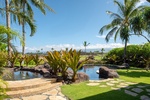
x=32, y=91
x=27, y=84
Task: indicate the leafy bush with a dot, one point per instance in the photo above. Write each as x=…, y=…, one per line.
x=137, y=55
x=72, y=59
x=13, y=58
x=28, y=59
x=53, y=58
x=20, y=59
x=63, y=60
x=37, y=59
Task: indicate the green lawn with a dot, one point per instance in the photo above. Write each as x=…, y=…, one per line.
x=135, y=75
x=96, y=57
x=82, y=91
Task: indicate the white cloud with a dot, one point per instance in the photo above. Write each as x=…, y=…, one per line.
x=102, y=36
x=141, y=2
x=64, y=46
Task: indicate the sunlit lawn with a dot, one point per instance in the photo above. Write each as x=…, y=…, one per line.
x=82, y=91
x=135, y=75
x=96, y=57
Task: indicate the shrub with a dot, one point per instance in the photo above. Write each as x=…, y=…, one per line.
x=137, y=55
x=28, y=59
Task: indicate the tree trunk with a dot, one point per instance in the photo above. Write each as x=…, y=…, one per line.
x=74, y=76
x=125, y=49
x=8, y=27
x=23, y=31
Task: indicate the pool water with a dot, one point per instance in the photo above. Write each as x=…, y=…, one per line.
x=22, y=75
x=91, y=72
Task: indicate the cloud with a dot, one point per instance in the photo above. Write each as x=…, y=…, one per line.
x=108, y=2
x=141, y=2
x=64, y=46
x=102, y=36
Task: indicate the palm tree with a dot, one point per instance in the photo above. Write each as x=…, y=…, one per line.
x=142, y=17
x=8, y=26
x=4, y=31
x=11, y=10
x=120, y=25
x=102, y=51
x=85, y=44
x=27, y=9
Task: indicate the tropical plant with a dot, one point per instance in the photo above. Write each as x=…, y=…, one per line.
x=138, y=55
x=85, y=44
x=12, y=34
x=7, y=9
x=28, y=59
x=13, y=58
x=26, y=8
x=3, y=60
x=142, y=17
x=3, y=87
x=63, y=64
x=3, y=84
x=20, y=59
x=72, y=59
x=121, y=24
x=53, y=58
x=37, y=59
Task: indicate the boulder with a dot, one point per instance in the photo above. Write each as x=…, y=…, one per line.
x=45, y=73
x=46, y=65
x=105, y=72
x=81, y=76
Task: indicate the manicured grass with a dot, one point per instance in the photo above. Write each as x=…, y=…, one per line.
x=96, y=57
x=135, y=75
x=81, y=91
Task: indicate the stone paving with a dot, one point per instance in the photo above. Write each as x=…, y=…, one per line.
x=54, y=94
x=129, y=88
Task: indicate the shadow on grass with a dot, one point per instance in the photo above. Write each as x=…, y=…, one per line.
x=120, y=94
x=135, y=74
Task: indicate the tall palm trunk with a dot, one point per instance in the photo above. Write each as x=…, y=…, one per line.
x=8, y=26
x=125, y=49
x=85, y=49
x=23, y=31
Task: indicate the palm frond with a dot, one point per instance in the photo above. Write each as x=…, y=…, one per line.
x=29, y=10
x=13, y=47
x=104, y=28
x=115, y=16
x=117, y=33
x=124, y=33
x=116, y=21
x=110, y=34
x=121, y=7
x=130, y=6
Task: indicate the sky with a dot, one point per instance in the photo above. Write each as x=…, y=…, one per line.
x=73, y=22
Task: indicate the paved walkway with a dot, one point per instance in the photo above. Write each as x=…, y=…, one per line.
x=130, y=88
x=54, y=94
